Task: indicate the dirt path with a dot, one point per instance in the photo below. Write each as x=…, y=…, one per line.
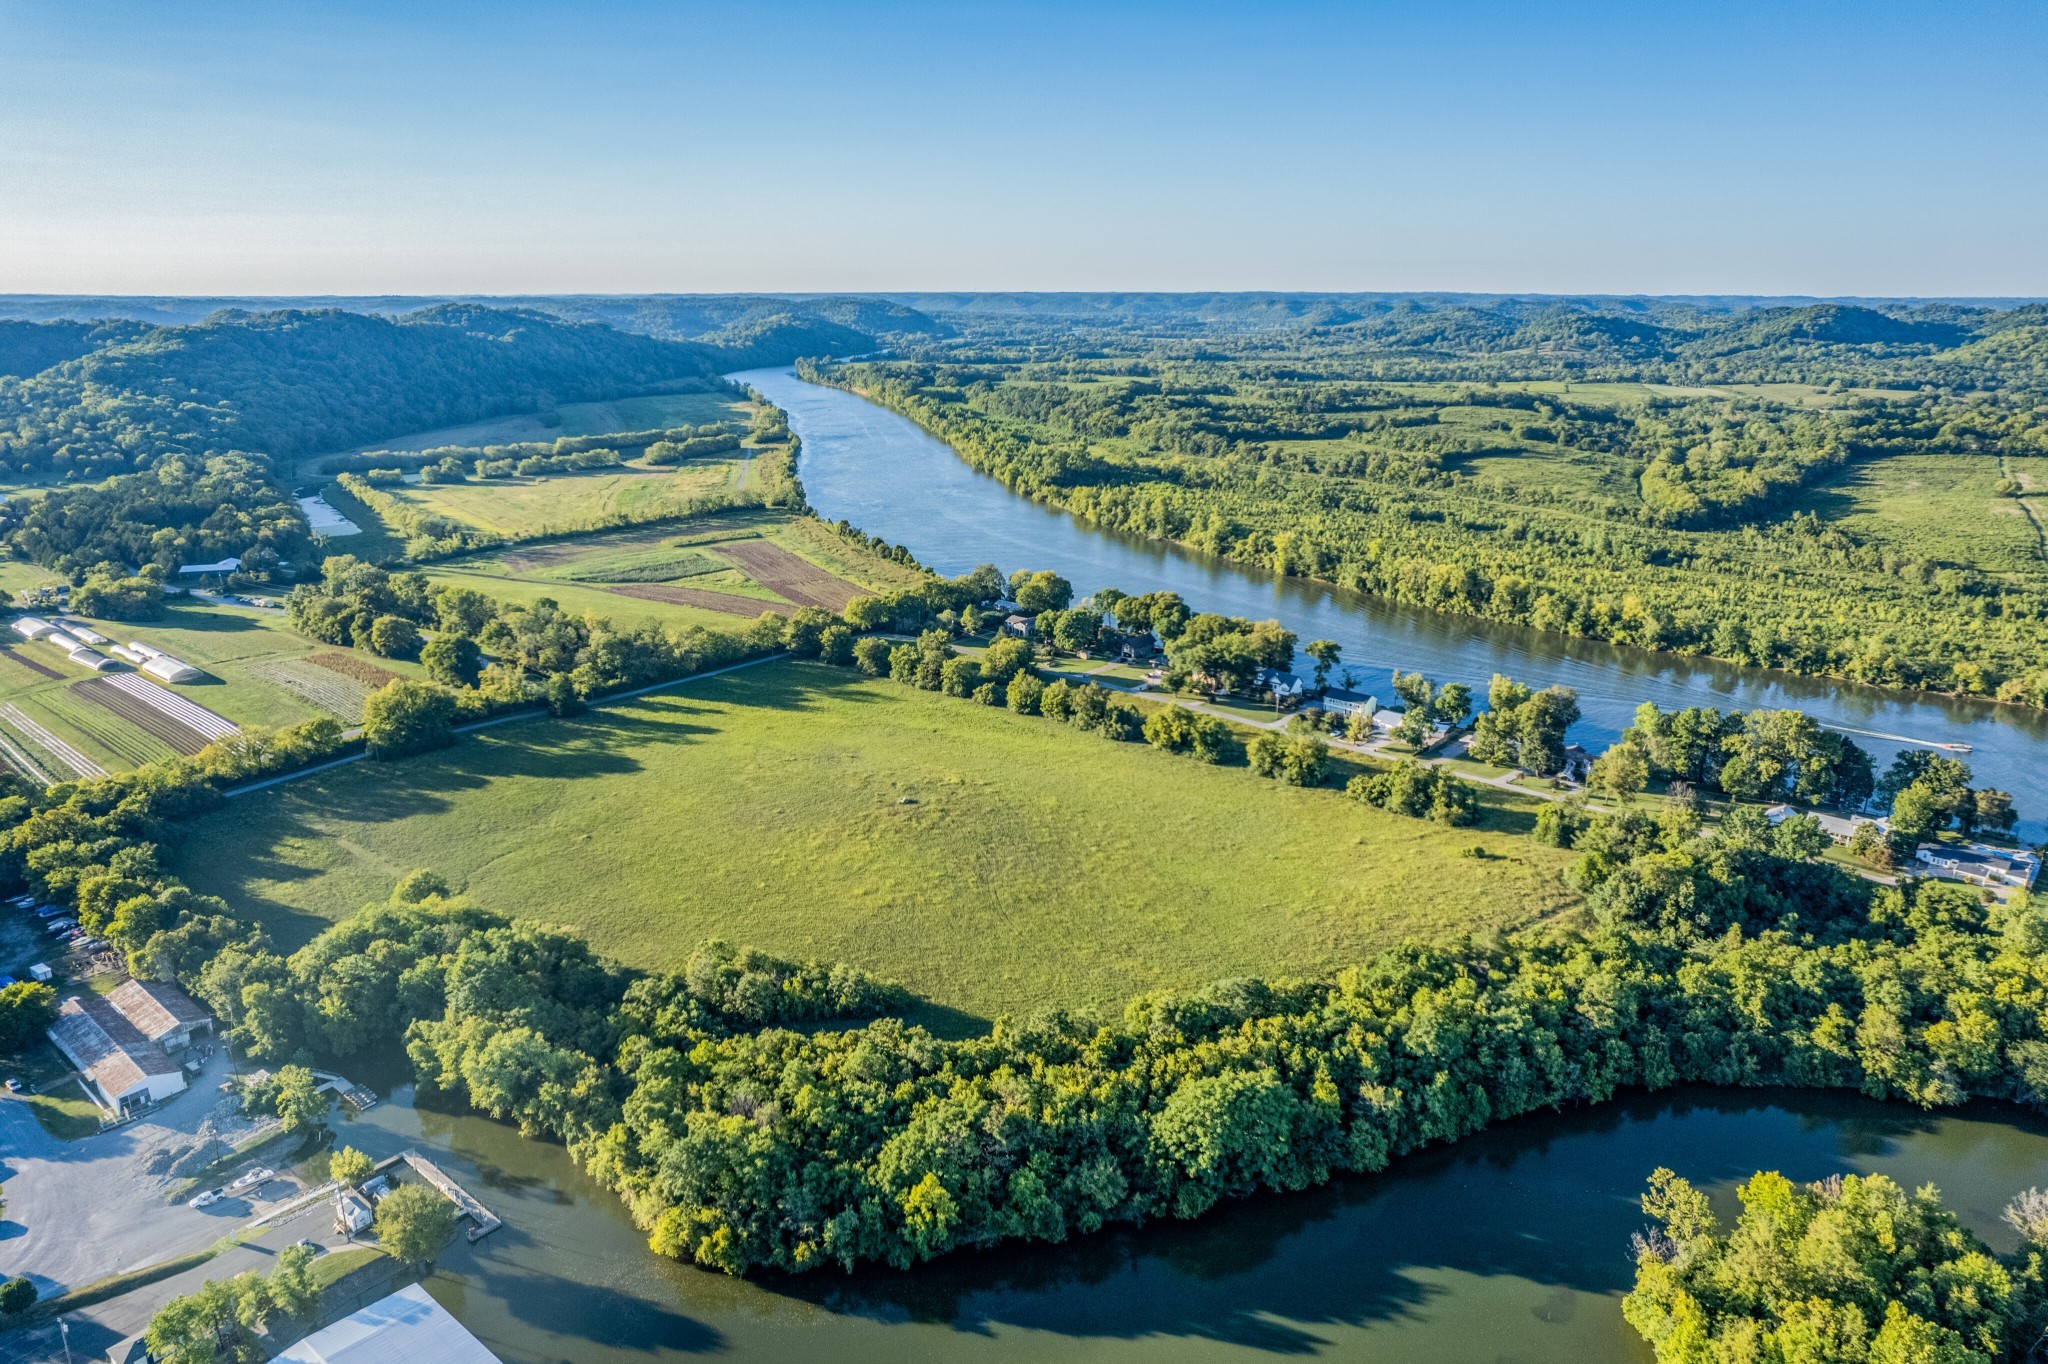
x=2026, y=508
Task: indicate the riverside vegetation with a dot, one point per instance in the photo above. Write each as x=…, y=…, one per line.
x=742, y=1134
x=1570, y=468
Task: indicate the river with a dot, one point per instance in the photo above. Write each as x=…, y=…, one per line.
x=1510, y=1246
x=881, y=472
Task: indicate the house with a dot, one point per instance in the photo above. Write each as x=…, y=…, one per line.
x=1340, y=701
x=1017, y=625
x=408, y=1327
x=1841, y=829
x=1284, y=686
x=1139, y=647
x=33, y=627
x=125, y=1070
x=161, y=1012
x=352, y=1213
x=1981, y=863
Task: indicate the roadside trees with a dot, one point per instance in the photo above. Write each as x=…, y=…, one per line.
x=408, y=717
x=394, y=636
x=301, y=1106
x=452, y=660
x=17, y=1295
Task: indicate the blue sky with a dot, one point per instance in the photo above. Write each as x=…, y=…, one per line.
x=439, y=147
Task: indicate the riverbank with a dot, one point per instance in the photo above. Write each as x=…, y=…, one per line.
x=867, y=465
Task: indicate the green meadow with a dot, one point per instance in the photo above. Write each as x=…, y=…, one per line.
x=995, y=864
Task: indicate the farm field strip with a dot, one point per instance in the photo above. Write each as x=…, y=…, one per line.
x=18, y=759
x=132, y=743
x=40, y=738
x=158, y=724
x=25, y=661
x=336, y=693
x=195, y=716
x=349, y=666
x=727, y=603
x=790, y=576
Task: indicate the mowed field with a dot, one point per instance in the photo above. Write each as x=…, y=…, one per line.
x=519, y=508
x=994, y=864
x=714, y=571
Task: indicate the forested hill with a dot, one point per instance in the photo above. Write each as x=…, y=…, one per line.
x=292, y=383
x=1983, y=345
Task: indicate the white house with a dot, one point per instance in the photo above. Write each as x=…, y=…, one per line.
x=1980, y=862
x=125, y=1070
x=408, y=1327
x=224, y=566
x=1839, y=828
x=1285, y=686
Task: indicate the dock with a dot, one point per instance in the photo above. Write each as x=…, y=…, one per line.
x=482, y=1221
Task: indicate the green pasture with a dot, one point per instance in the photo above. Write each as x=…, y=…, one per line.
x=520, y=508
x=1938, y=508
x=993, y=863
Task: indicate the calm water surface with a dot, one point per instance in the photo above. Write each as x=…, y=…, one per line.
x=879, y=471
x=1512, y=1246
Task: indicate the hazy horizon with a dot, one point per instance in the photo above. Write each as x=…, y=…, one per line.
x=1761, y=150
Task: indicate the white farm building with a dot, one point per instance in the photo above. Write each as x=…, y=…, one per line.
x=125, y=1070
x=406, y=1328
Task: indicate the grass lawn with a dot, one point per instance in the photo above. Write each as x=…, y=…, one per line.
x=993, y=863
x=520, y=508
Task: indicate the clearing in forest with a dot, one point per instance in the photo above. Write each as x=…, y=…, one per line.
x=993, y=863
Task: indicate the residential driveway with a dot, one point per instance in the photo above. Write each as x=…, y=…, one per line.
x=78, y=1211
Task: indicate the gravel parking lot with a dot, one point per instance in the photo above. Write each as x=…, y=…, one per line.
x=81, y=1210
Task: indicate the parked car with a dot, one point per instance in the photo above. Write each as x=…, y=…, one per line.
x=205, y=1200
x=310, y=1244
x=59, y=927
x=14, y=1086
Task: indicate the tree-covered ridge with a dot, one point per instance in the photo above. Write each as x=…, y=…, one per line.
x=182, y=510
x=1654, y=520
x=32, y=347
x=289, y=384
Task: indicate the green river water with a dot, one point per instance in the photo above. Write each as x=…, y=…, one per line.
x=1509, y=1247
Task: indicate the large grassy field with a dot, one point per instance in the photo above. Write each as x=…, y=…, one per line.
x=576, y=419
x=1941, y=508
x=624, y=574
x=992, y=863
x=520, y=508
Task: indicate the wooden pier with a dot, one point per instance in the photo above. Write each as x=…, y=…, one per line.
x=482, y=1221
